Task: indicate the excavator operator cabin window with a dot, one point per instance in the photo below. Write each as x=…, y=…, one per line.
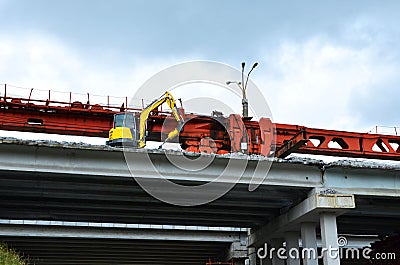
x=123, y=120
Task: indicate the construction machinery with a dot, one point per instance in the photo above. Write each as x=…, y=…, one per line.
x=130, y=127
x=210, y=134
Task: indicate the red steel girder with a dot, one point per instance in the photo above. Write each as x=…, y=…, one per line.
x=75, y=118
x=336, y=143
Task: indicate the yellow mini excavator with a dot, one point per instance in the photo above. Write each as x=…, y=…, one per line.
x=130, y=127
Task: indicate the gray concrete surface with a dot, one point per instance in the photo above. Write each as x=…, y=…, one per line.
x=76, y=183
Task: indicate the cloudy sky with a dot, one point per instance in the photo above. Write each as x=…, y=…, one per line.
x=326, y=64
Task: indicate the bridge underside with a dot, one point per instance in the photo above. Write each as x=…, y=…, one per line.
x=60, y=197
x=72, y=251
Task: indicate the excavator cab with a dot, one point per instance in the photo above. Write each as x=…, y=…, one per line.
x=125, y=131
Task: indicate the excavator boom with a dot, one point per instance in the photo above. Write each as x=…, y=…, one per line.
x=144, y=115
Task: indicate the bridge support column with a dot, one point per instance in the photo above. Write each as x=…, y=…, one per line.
x=292, y=248
x=252, y=256
x=277, y=259
x=329, y=238
x=320, y=206
x=238, y=252
x=309, y=242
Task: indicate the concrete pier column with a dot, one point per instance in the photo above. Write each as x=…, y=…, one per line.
x=292, y=248
x=252, y=256
x=309, y=242
x=329, y=239
x=277, y=243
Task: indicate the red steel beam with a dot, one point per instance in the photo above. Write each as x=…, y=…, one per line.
x=79, y=119
x=338, y=143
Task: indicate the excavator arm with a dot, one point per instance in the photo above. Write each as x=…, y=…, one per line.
x=144, y=115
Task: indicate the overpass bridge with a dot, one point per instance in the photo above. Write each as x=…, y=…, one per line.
x=46, y=187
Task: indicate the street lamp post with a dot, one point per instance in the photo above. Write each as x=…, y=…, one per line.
x=243, y=87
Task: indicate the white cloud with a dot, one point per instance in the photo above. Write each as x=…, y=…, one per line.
x=312, y=83
x=315, y=82
x=45, y=63
x=40, y=61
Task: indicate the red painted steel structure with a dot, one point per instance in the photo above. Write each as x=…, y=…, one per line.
x=200, y=133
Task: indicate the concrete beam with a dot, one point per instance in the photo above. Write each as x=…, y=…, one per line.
x=306, y=211
x=358, y=178
x=12, y=230
x=363, y=179
x=122, y=225
x=106, y=161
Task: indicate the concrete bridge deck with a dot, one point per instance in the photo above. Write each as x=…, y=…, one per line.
x=77, y=183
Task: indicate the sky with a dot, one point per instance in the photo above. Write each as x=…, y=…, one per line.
x=322, y=64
